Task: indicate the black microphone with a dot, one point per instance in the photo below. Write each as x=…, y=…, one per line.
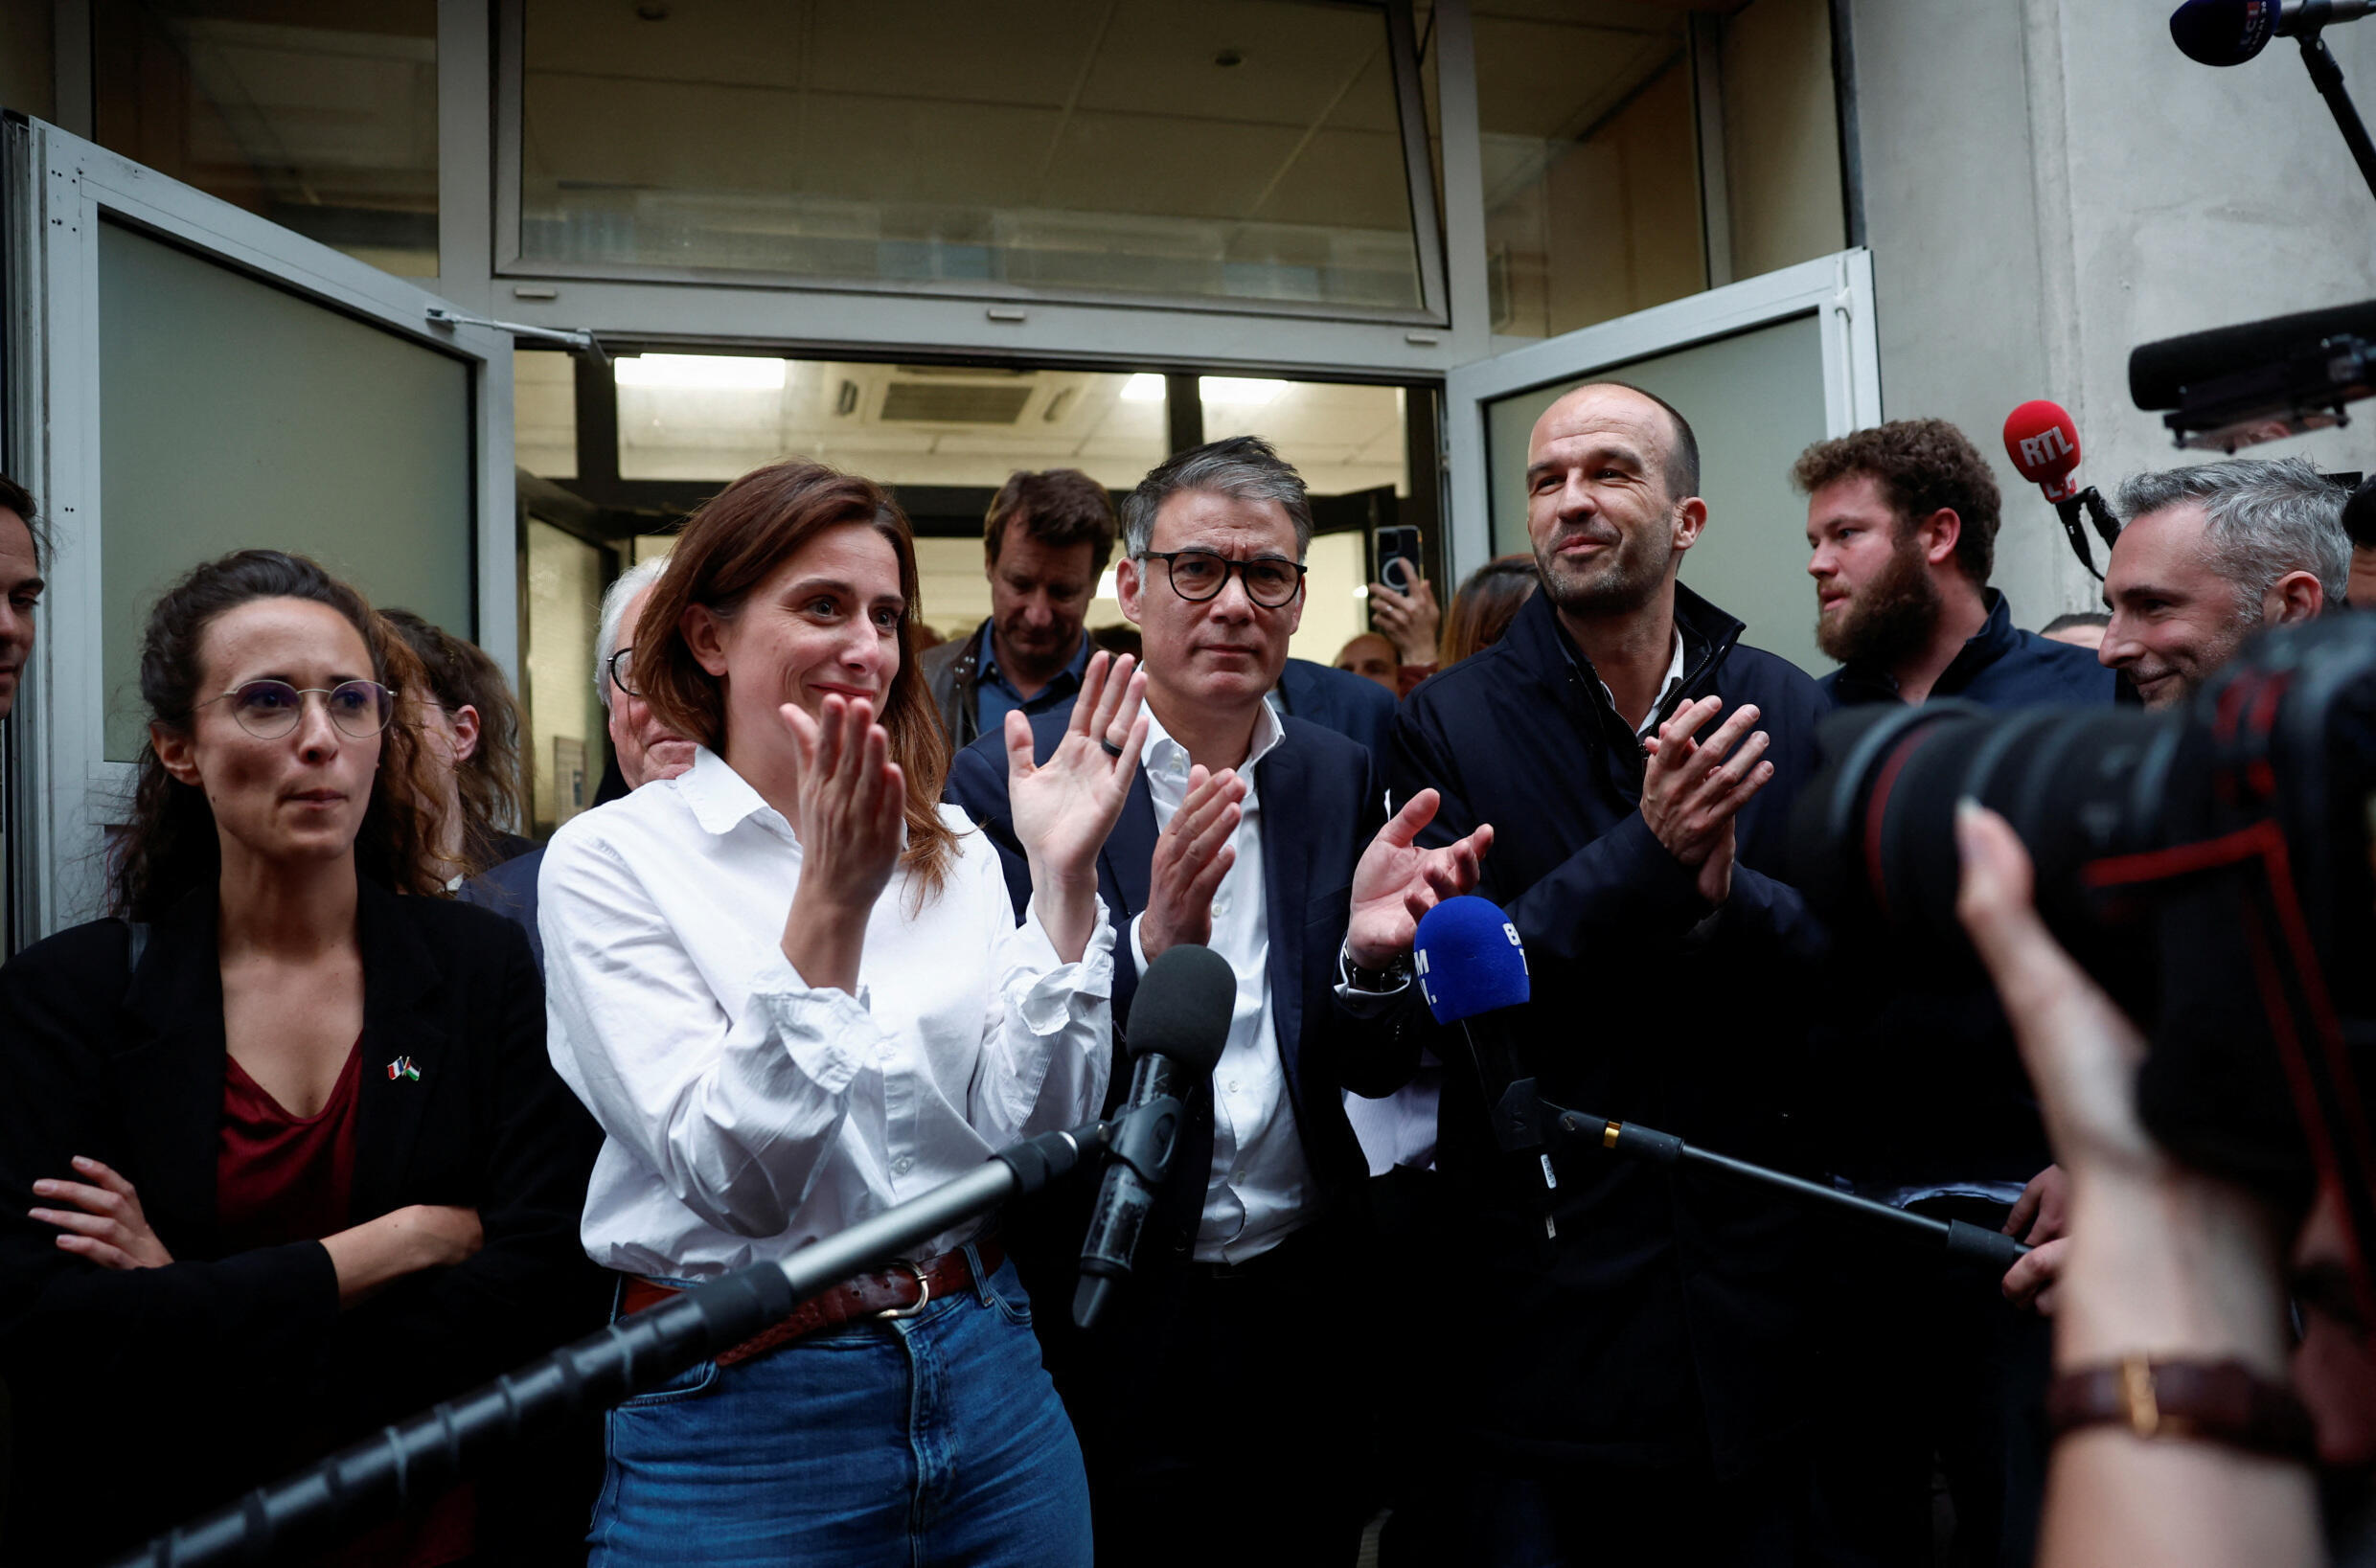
x=1179, y=1022
x=2231, y=32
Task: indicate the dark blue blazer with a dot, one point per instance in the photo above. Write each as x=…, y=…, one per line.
x=2000, y=666
x=1339, y=700
x=1321, y=804
x=510, y=890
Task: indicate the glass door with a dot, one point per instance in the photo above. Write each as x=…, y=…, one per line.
x=1761, y=368
x=185, y=378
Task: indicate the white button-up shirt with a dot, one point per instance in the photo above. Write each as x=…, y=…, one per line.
x=1260, y=1183
x=748, y=1114
x=1666, y=689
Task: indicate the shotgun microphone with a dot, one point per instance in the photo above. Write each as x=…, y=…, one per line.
x=1179, y=1022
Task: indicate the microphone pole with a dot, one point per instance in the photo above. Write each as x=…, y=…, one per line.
x=2328, y=78
x=1959, y=1239
x=419, y=1458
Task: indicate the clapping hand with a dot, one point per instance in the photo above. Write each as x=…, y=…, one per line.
x=849, y=805
x=1692, y=789
x=1065, y=807
x=1397, y=881
x=1191, y=857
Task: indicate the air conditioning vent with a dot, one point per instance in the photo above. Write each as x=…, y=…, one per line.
x=952, y=403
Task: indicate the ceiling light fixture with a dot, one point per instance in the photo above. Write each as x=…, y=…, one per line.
x=1240, y=390
x=701, y=371
x=1146, y=387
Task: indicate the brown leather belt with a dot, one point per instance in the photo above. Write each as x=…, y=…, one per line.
x=899, y=1292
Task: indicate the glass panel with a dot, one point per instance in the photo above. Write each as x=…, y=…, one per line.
x=235, y=415
x=1781, y=136
x=1755, y=401
x=544, y=413
x=1590, y=163
x=1244, y=150
x=319, y=114
x=565, y=717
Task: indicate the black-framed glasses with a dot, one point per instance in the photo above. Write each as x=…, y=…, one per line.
x=270, y=709
x=1200, y=574
x=623, y=673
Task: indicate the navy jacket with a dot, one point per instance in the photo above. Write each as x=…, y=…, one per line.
x=219, y=1371
x=1321, y=804
x=2000, y=666
x=1660, y=1324
x=510, y=890
x=1339, y=700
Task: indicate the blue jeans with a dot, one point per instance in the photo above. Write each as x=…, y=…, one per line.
x=907, y=1441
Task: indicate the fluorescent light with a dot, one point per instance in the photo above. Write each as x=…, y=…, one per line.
x=1146, y=387
x=1239, y=389
x=706, y=371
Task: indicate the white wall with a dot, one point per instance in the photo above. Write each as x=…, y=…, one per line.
x=2048, y=185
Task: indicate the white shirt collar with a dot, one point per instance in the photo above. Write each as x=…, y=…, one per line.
x=1666, y=689
x=1162, y=751
x=721, y=799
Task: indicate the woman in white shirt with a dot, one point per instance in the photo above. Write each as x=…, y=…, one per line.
x=790, y=985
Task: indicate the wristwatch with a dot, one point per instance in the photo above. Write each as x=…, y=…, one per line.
x=2213, y=1402
x=1378, y=982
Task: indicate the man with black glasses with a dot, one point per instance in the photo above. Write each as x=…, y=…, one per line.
x=1219, y=1405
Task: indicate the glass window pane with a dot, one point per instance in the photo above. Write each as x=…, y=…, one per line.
x=1755, y=401
x=1243, y=150
x=544, y=413
x=321, y=117
x=1781, y=136
x=1590, y=162
x=565, y=717
x=234, y=415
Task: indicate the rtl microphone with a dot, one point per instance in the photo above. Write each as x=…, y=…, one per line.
x=2231, y=32
x=2043, y=441
x=1471, y=970
x=1179, y=1022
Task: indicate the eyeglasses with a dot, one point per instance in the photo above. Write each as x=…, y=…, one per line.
x=623, y=673
x=269, y=710
x=1200, y=574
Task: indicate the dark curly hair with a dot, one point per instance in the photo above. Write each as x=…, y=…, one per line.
x=170, y=847
x=1921, y=465
x=461, y=674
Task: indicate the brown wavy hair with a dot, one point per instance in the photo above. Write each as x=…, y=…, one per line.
x=1485, y=606
x=739, y=539
x=460, y=673
x=170, y=847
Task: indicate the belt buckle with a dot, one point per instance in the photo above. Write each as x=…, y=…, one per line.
x=923, y=1295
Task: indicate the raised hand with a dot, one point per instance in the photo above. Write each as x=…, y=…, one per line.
x=1397, y=881
x=106, y=1223
x=1410, y=621
x=847, y=813
x=1692, y=789
x=1191, y=857
x=1065, y=807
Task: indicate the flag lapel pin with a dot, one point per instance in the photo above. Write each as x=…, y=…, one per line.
x=403, y=1068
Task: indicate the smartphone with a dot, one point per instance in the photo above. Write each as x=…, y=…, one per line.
x=1398, y=559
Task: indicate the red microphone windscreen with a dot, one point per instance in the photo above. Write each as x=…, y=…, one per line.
x=2043, y=445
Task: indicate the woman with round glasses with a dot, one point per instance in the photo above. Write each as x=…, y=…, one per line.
x=791, y=985
x=282, y=1157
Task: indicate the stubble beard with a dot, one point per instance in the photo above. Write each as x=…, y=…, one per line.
x=1893, y=618
x=1618, y=584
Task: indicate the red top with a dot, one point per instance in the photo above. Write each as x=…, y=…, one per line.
x=281, y=1179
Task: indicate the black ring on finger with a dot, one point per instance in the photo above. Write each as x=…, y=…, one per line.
x=1111, y=750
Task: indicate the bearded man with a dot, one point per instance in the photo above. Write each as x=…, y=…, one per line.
x=1902, y=523
x=1622, y=1347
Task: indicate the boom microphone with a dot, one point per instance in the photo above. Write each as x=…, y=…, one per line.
x=2231, y=32
x=1179, y=1022
x=2044, y=444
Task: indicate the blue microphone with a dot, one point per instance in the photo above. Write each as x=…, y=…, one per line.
x=1471, y=970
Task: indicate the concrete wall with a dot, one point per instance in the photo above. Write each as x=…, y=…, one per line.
x=2047, y=185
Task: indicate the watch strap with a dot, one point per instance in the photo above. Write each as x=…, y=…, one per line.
x=2213, y=1402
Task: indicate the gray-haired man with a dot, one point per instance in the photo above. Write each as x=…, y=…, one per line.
x=646, y=748
x=2212, y=554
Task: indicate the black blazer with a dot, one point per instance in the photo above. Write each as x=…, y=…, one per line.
x=1321, y=804
x=213, y=1373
